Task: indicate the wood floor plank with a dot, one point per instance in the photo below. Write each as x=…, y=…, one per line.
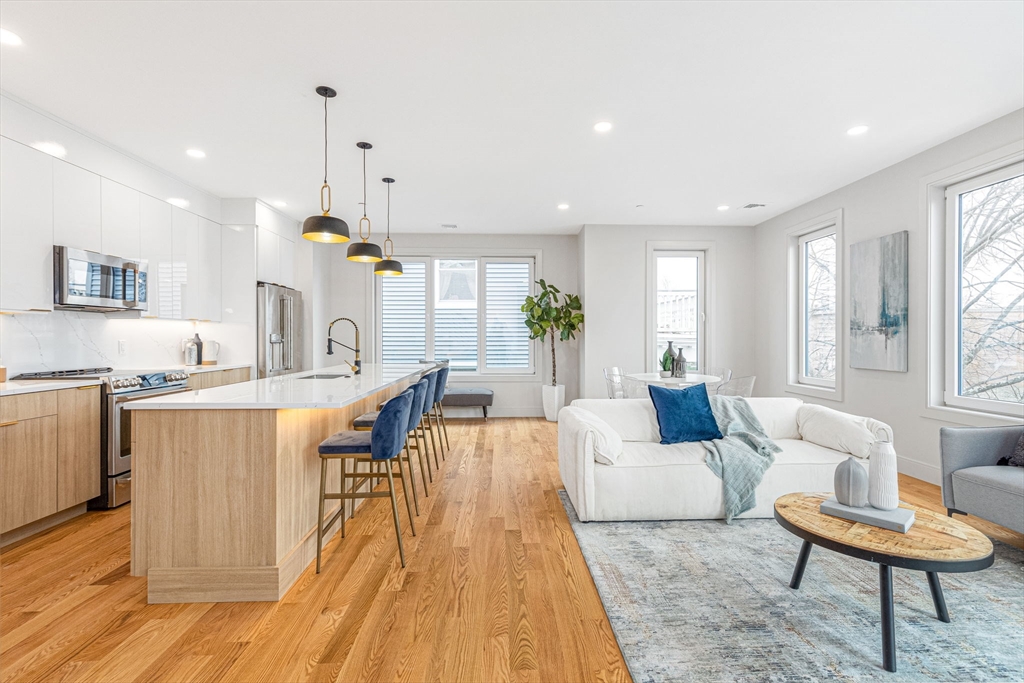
x=495, y=589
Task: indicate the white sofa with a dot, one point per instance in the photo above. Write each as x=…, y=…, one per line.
x=649, y=481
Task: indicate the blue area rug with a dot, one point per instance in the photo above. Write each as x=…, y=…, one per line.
x=702, y=601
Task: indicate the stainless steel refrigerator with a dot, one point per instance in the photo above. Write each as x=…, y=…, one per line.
x=279, y=330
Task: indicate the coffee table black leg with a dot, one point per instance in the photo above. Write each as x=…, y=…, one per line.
x=801, y=564
x=940, y=602
x=888, y=618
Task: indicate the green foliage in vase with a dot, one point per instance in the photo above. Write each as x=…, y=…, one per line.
x=550, y=313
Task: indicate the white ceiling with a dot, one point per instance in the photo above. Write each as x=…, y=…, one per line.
x=484, y=112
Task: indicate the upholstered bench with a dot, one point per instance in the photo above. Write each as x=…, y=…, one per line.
x=461, y=397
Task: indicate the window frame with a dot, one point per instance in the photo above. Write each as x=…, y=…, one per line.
x=802, y=240
x=481, y=258
x=705, y=266
x=952, y=301
x=796, y=237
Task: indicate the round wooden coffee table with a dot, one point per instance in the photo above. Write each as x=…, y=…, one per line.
x=934, y=544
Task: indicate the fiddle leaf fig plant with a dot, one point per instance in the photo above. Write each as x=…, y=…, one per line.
x=551, y=312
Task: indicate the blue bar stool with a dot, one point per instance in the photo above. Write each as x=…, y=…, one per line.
x=381, y=444
x=442, y=380
x=426, y=425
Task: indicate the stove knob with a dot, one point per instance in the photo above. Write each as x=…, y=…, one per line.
x=116, y=384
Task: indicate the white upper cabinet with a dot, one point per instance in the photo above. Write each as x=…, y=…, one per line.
x=287, y=266
x=268, y=256
x=238, y=274
x=120, y=225
x=185, y=278
x=197, y=247
x=209, y=270
x=157, y=248
x=76, y=207
x=26, y=228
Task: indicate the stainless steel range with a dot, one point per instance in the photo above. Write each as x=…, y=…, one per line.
x=117, y=389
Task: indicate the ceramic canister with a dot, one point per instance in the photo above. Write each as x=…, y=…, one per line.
x=883, y=485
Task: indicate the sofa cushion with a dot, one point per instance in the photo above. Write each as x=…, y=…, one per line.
x=684, y=415
x=840, y=431
x=800, y=452
x=777, y=416
x=999, y=480
x=646, y=454
x=607, y=442
x=633, y=418
x=991, y=492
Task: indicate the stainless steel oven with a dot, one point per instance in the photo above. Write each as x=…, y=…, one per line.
x=85, y=280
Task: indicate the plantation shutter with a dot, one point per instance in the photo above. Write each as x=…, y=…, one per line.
x=456, y=313
x=507, y=339
x=404, y=315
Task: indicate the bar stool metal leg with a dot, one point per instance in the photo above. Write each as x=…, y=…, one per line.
x=407, y=483
x=394, y=512
x=444, y=425
x=412, y=476
x=440, y=439
x=424, y=467
x=344, y=501
x=430, y=427
x=320, y=516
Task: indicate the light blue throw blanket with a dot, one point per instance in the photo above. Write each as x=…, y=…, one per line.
x=741, y=458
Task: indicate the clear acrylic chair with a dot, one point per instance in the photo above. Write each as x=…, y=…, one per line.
x=724, y=375
x=634, y=388
x=741, y=386
x=613, y=379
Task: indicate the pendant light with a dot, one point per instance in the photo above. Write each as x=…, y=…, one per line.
x=388, y=266
x=325, y=227
x=365, y=251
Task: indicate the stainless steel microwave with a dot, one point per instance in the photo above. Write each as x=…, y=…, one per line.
x=85, y=280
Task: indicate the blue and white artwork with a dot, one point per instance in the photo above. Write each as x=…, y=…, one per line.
x=878, y=294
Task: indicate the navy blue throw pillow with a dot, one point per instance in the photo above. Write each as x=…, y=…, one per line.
x=684, y=414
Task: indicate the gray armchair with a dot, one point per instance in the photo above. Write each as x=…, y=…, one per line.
x=973, y=484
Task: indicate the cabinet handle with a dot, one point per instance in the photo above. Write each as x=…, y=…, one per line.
x=8, y=424
x=86, y=388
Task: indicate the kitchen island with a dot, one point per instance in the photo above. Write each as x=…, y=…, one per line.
x=227, y=480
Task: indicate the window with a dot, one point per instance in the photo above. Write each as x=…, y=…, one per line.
x=679, y=306
x=459, y=308
x=817, y=287
x=985, y=292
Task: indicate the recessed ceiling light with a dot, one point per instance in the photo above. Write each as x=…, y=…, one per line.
x=563, y=207
x=54, y=149
x=723, y=207
x=178, y=202
x=9, y=38
x=449, y=226
x=639, y=206
x=603, y=126
x=857, y=130
x=279, y=204
x=196, y=153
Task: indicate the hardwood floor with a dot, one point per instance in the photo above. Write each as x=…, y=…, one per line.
x=495, y=590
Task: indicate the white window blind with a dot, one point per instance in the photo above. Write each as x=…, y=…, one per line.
x=404, y=315
x=506, y=285
x=456, y=313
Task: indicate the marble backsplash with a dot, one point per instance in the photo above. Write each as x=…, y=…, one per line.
x=63, y=340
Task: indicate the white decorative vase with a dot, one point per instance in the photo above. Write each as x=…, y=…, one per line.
x=554, y=399
x=883, y=481
x=665, y=373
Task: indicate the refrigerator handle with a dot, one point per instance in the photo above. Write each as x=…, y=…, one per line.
x=287, y=355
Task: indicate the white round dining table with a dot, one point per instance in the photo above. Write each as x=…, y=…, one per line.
x=691, y=379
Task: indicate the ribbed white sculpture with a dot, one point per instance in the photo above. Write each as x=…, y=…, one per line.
x=883, y=480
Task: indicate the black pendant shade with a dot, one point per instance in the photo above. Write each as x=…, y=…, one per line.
x=365, y=251
x=325, y=227
x=388, y=266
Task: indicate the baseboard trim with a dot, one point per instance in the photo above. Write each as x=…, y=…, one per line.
x=919, y=470
x=41, y=525
x=213, y=584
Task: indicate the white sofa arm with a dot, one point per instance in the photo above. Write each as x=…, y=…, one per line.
x=841, y=431
x=576, y=461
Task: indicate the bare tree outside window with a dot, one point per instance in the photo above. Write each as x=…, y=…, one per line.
x=991, y=296
x=819, y=308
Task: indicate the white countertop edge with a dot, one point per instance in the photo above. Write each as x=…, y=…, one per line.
x=199, y=369
x=232, y=396
x=32, y=386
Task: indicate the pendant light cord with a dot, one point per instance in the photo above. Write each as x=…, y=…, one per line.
x=325, y=141
x=389, y=210
x=364, y=183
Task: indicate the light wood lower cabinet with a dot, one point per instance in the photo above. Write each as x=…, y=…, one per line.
x=28, y=471
x=78, y=445
x=49, y=453
x=218, y=378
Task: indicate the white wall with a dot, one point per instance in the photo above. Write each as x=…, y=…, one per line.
x=877, y=205
x=353, y=292
x=615, y=295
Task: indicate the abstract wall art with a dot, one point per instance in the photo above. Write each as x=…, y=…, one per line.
x=878, y=294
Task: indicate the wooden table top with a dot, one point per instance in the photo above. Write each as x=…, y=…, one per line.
x=933, y=540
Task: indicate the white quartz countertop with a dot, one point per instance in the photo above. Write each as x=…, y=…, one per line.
x=31, y=386
x=190, y=369
x=298, y=390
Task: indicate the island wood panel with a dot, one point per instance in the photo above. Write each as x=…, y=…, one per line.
x=28, y=470
x=226, y=500
x=933, y=536
x=78, y=445
x=28, y=406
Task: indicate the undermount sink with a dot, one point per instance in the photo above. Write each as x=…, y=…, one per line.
x=324, y=376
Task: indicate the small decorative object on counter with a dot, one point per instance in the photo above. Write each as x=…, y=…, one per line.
x=679, y=365
x=851, y=483
x=199, y=349
x=191, y=352
x=883, y=486
x=667, y=359
x=211, y=349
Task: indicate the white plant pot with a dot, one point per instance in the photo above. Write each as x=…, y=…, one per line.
x=883, y=479
x=554, y=399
